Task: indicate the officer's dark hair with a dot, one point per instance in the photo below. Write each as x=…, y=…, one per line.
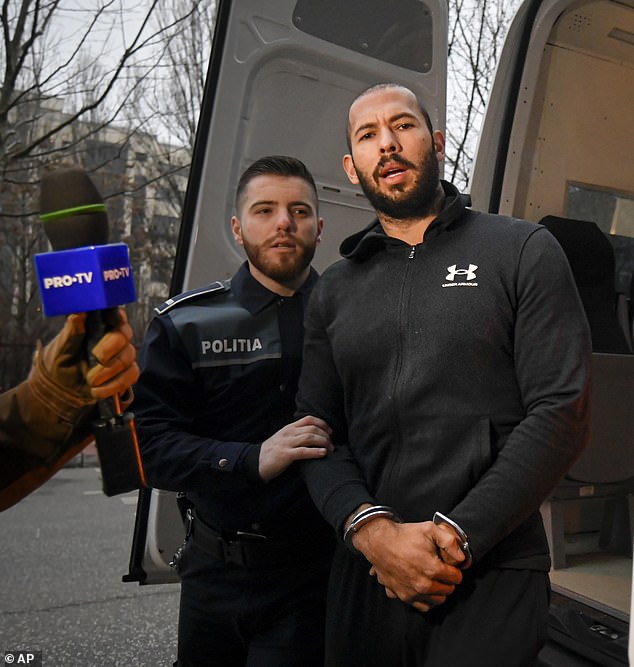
x=273, y=165
x=383, y=86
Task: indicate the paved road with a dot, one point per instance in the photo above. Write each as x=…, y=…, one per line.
x=63, y=551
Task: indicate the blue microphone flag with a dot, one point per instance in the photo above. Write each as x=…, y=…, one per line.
x=85, y=279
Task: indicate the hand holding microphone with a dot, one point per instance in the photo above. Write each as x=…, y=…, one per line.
x=115, y=371
x=85, y=273
x=45, y=420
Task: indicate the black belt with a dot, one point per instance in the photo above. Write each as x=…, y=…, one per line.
x=246, y=549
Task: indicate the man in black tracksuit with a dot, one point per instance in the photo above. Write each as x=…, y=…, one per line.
x=214, y=402
x=449, y=352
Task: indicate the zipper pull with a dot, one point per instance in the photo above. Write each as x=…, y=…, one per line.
x=412, y=252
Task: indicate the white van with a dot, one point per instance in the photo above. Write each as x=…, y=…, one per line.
x=557, y=144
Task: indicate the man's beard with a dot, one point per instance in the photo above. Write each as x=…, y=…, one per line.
x=419, y=202
x=286, y=267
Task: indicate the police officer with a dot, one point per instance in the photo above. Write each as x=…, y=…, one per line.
x=214, y=407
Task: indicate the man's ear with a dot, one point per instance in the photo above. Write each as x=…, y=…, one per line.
x=320, y=228
x=439, y=144
x=349, y=168
x=237, y=230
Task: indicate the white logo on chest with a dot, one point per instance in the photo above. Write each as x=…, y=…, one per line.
x=469, y=273
x=461, y=277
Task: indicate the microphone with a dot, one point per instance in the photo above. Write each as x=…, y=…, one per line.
x=85, y=273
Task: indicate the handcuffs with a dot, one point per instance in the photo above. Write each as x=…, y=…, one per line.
x=463, y=540
x=375, y=511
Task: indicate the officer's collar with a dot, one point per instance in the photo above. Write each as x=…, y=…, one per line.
x=254, y=296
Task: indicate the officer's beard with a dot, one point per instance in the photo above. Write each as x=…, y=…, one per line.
x=283, y=268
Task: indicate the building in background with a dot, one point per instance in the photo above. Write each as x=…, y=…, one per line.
x=143, y=182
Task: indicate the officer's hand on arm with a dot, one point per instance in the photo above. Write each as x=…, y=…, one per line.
x=306, y=438
x=405, y=559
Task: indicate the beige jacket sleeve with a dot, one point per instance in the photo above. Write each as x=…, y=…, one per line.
x=46, y=420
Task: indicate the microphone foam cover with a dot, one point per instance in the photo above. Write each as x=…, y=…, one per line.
x=72, y=210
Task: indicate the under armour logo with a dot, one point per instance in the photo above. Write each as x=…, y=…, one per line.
x=468, y=273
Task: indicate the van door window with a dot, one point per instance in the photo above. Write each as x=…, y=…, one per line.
x=399, y=33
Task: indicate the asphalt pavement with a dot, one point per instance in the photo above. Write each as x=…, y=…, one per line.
x=63, y=551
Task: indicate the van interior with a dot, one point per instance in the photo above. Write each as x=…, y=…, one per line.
x=569, y=164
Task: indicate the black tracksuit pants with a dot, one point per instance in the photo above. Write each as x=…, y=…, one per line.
x=494, y=618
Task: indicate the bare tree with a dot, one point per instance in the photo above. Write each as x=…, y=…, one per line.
x=70, y=76
x=175, y=92
x=476, y=34
x=178, y=95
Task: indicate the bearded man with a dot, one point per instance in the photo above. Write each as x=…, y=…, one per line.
x=214, y=404
x=449, y=352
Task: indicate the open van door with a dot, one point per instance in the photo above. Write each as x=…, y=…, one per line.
x=281, y=78
x=557, y=136
x=556, y=146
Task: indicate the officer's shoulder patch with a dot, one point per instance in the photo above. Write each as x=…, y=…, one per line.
x=180, y=299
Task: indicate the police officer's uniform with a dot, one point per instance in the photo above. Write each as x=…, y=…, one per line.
x=220, y=372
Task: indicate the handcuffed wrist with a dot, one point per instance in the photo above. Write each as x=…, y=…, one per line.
x=365, y=516
x=462, y=537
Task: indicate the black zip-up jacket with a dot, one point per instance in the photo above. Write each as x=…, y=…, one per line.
x=455, y=374
x=219, y=375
